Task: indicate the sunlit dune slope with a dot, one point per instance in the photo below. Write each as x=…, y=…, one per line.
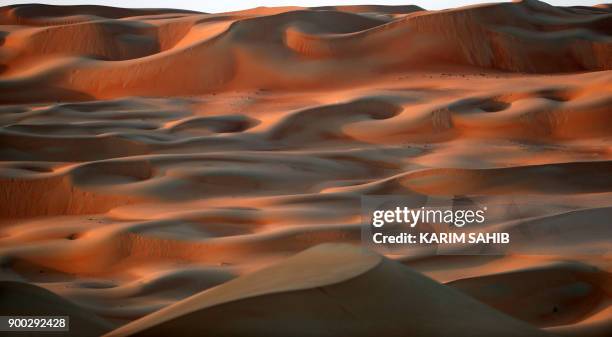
x=329, y=282
x=103, y=53
x=169, y=172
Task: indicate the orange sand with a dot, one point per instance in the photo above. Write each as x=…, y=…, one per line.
x=159, y=169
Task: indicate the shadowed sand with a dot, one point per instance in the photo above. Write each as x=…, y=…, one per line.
x=20, y=299
x=169, y=172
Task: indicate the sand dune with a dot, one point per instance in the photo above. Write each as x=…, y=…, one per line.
x=163, y=169
x=290, y=49
x=577, y=289
x=327, y=282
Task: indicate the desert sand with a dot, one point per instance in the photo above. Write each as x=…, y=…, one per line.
x=174, y=173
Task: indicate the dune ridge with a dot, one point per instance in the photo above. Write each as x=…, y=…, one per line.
x=332, y=287
x=172, y=172
x=251, y=51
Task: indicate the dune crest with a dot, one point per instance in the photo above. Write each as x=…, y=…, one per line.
x=311, y=293
x=157, y=52
x=162, y=170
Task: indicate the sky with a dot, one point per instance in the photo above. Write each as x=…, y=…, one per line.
x=216, y=6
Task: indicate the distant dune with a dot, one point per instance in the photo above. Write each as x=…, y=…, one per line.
x=174, y=173
x=64, y=52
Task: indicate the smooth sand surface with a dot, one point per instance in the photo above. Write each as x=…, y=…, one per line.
x=331, y=290
x=172, y=172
